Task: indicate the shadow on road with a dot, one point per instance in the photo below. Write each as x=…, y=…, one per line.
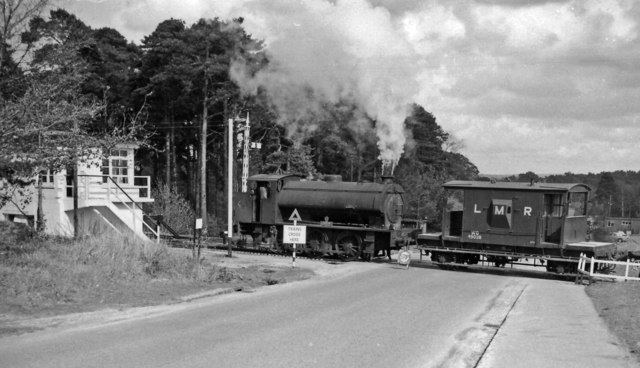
x=539, y=273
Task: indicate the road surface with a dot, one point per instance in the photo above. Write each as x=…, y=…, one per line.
x=380, y=316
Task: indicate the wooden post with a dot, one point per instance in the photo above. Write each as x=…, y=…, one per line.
x=293, y=261
x=167, y=152
x=229, y=187
x=75, y=200
x=626, y=270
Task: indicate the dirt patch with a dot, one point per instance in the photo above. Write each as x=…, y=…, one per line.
x=618, y=303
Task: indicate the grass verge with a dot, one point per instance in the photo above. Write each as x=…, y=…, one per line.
x=618, y=303
x=49, y=276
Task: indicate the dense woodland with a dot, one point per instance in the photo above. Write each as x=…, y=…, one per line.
x=64, y=84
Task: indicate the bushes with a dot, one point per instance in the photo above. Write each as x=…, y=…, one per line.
x=175, y=209
x=57, y=271
x=14, y=237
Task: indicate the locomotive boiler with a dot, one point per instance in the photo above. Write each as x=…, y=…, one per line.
x=349, y=219
x=503, y=222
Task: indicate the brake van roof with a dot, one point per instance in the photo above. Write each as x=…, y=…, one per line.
x=508, y=185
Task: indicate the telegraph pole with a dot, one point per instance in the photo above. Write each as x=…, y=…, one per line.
x=229, y=186
x=203, y=152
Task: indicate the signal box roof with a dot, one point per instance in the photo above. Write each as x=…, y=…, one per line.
x=508, y=185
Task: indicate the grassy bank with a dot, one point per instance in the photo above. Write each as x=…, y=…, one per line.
x=618, y=303
x=47, y=276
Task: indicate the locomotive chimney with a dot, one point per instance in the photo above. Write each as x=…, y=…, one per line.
x=386, y=174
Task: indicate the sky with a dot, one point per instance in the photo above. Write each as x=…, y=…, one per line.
x=545, y=86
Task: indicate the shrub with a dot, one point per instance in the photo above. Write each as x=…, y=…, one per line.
x=175, y=209
x=15, y=237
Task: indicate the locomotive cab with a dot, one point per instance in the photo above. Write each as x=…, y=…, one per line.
x=259, y=204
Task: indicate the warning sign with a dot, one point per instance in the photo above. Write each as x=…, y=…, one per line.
x=295, y=216
x=294, y=234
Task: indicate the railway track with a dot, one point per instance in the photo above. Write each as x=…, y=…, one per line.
x=529, y=271
x=212, y=245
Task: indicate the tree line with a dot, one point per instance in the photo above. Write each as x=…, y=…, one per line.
x=614, y=193
x=66, y=87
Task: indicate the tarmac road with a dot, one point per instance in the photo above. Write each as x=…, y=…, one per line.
x=381, y=315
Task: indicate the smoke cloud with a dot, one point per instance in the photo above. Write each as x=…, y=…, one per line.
x=324, y=52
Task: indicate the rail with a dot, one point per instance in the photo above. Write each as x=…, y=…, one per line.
x=592, y=264
x=93, y=189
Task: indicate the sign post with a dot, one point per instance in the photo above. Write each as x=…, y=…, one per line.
x=294, y=234
x=197, y=234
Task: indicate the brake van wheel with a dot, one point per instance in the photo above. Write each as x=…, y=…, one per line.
x=473, y=259
x=561, y=267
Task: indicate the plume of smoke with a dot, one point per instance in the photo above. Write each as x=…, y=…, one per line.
x=324, y=52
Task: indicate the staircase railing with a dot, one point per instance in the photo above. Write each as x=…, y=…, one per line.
x=159, y=221
x=131, y=207
x=155, y=232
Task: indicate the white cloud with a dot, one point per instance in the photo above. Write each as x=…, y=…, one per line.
x=529, y=85
x=430, y=29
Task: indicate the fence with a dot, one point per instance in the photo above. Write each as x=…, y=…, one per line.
x=630, y=267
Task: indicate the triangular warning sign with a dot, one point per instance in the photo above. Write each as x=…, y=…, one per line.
x=295, y=216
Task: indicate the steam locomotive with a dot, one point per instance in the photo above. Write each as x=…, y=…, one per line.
x=346, y=219
x=503, y=222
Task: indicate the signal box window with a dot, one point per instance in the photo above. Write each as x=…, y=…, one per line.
x=577, y=204
x=116, y=166
x=46, y=177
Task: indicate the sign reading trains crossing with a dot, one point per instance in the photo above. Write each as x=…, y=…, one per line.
x=294, y=234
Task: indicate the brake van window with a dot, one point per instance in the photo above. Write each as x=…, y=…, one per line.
x=577, y=204
x=553, y=205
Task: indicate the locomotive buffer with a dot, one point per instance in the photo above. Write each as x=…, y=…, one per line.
x=294, y=234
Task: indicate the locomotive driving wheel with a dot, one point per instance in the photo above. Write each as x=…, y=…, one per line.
x=349, y=245
x=317, y=241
